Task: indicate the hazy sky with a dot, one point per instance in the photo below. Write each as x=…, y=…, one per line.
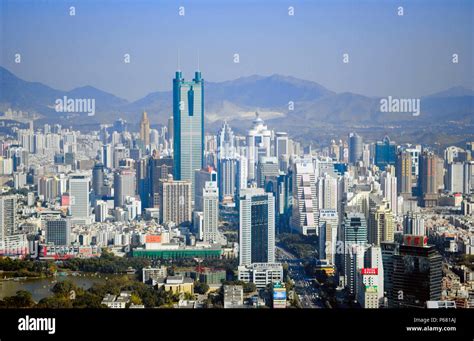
x=394, y=55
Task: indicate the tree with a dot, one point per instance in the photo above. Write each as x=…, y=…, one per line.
x=22, y=299
x=63, y=288
x=88, y=300
x=200, y=287
x=55, y=302
x=188, y=296
x=135, y=299
x=249, y=287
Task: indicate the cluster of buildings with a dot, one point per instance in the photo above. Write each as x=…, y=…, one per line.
x=164, y=193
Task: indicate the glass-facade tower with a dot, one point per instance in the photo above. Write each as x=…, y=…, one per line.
x=188, y=121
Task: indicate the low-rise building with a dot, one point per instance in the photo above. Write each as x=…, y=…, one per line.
x=117, y=302
x=176, y=284
x=149, y=274
x=261, y=274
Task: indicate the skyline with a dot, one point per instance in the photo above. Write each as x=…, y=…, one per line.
x=407, y=53
x=310, y=156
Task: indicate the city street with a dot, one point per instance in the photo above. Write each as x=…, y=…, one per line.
x=308, y=295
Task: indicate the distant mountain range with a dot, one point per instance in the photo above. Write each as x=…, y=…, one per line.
x=237, y=100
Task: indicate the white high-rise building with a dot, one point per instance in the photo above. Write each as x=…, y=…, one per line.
x=226, y=163
x=257, y=226
x=281, y=144
x=79, y=197
x=305, y=202
x=124, y=185
x=388, y=183
x=327, y=192
x=414, y=223
x=258, y=144
x=210, y=233
x=201, y=176
x=328, y=225
x=455, y=177
x=100, y=211
x=133, y=206
x=322, y=166
x=373, y=275
x=242, y=173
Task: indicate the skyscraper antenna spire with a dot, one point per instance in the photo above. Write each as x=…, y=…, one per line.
x=178, y=66
x=198, y=60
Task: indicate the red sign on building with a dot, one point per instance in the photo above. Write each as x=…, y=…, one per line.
x=370, y=271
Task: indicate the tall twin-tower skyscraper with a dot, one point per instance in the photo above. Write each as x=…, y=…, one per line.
x=188, y=121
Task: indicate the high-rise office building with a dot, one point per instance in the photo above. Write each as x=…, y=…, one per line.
x=354, y=239
x=468, y=177
x=210, y=212
x=124, y=185
x=327, y=192
x=356, y=146
x=201, y=176
x=417, y=273
x=8, y=216
x=226, y=163
x=257, y=227
x=282, y=149
x=328, y=222
x=100, y=211
x=388, y=183
x=170, y=130
x=120, y=153
x=159, y=169
x=258, y=144
x=145, y=129
x=107, y=156
x=58, y=232
x=414, y=223
x=225, y=142
x=241, y=173
x=385, y=153
x=428, y=179
x=154, y=138
x=305, y=201
x=354, y=228
x=373, y=260
x=227, y=172
x=381, y=224
x=175, y=201
x=188, y=120
x=404, y=174
x=143, y=181
x=455, y=177
x=98, y=179
x=267, y=167
x=79, y=196
x=388, y=249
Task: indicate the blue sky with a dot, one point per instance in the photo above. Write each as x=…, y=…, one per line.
x=388, y=54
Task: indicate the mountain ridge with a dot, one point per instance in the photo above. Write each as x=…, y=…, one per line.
x=281, y=99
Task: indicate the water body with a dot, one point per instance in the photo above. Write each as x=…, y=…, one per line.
x=41, y=288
